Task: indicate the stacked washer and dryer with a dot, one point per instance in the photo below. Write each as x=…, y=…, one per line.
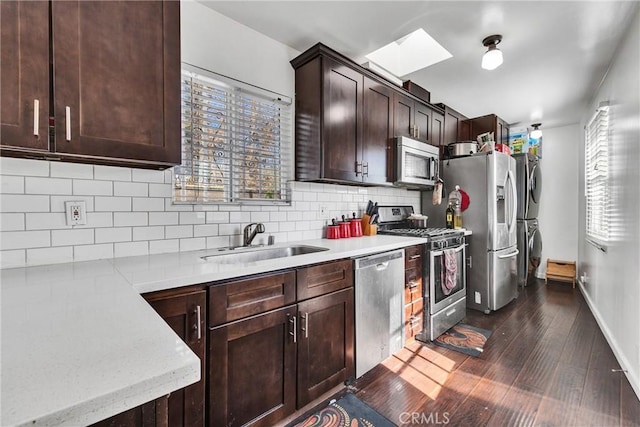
x=529, y=185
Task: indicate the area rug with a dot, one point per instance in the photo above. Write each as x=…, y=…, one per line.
x=465, y=339
x=348, y=411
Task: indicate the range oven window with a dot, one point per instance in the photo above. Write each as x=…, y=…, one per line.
x=444, y=283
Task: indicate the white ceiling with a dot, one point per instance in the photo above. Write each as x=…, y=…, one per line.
x=555, y=52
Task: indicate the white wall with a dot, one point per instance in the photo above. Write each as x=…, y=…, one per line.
x=130, y=210
x=612, y=282
x=558, y=215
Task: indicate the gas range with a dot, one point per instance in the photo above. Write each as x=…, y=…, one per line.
x=439, y=238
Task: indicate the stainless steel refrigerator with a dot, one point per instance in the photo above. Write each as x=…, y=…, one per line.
x=489, y=180
x=529, y=186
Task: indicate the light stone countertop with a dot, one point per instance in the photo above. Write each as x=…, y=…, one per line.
x=79, y=343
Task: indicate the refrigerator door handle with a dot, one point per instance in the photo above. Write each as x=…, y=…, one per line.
x=511, y=255
x=514, y=202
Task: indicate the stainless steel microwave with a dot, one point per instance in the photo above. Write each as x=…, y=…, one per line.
x=417, y=163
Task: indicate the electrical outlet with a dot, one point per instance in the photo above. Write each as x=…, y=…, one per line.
x=324, y=212
x=76, y=212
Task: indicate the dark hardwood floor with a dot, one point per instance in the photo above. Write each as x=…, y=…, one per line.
x=545, y=364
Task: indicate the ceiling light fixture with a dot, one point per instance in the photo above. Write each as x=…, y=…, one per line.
x=536, y=133
x=492, y=58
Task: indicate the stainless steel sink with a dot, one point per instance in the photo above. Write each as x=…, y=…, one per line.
x=244, y=254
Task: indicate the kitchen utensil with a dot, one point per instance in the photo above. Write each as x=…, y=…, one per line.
x=369, y=208
x=462, y=148
x=345, y=229
x=333, y=230
x=355, y=225
x=418, y=221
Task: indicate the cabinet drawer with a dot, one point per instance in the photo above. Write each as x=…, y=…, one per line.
x=413, y=256
x=413, y=308
x=412, y=326
x=412, y=285
x=243, y=298
x=324, y=278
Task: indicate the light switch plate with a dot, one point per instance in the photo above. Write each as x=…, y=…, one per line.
x=76, y=212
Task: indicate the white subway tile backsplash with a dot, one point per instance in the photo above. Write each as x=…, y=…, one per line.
x=23, y=167
x=148, y=204
x=146, y=175
x=131, y=249
x=217, y=217
x=205, y=230
x=138, y=189
x=49, y=255
x=12, y=184
x=46, y=221
x=110, y=235
x=192, y=217
x=12, y=222
x=160, y=190
x=178, y=231
x=193, y=244
x=164, y=246
x=112, y=204
x=24, y=203
x=130, y=212
x=12, y=259
x=91, y=252
x=25, y=239
x=72, y=237
x=71, y=170
x=82, y=187
x=36, y=185
x=99, y=219
x=124, y=219
x=163, y=218
x=148, y=233
x=112, y=173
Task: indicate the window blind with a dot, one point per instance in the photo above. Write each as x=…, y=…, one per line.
x=597, y=175
x=236, y=142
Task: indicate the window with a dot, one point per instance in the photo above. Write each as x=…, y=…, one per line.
x=597, y=175
x=236, y=142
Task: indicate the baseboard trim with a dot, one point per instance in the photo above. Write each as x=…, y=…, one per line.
x=630, y=373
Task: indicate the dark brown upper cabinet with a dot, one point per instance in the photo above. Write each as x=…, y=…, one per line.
x=456, y=126
x=412, y=118
x=377, y=150
x=24, y=74
x=490, y=123
x=116, y=82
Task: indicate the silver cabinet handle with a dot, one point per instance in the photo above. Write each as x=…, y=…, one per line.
x=36, y=117
x=294, y=323
x=197, y=327
x=415, y=256
x=67, y=116
x=358, y=168
x=365, y=168
x=306, y=325
x=450, y=312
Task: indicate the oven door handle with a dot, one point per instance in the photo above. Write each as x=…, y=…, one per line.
x=438, y=253
x=511, y=255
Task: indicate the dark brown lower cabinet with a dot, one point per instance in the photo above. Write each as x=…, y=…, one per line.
x=252, y=370
x=151, y=414
x=325, y=344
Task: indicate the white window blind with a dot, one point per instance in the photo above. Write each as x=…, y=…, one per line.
x=236, y=142
x=597, y=175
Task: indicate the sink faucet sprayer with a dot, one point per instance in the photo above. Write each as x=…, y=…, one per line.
x=250, y=235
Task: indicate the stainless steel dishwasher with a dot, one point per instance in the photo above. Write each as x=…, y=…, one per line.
x=379, y=288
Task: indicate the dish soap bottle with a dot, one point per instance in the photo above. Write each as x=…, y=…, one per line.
x=455, y=202
x=449, y=215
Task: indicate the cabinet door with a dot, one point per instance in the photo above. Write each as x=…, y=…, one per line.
x=186, y=314
x=403, y=115
x=342, y=126
x=24, y=74
x=422, y=120
x=377, y=152
x=151, y=414
x=437, y=129
x=117, y=79
x=502, y=134
x=326, y=344
x=252, y=370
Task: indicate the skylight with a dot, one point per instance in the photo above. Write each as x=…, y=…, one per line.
x=409, y=53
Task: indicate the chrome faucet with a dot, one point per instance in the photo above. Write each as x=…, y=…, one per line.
x=250, y=235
